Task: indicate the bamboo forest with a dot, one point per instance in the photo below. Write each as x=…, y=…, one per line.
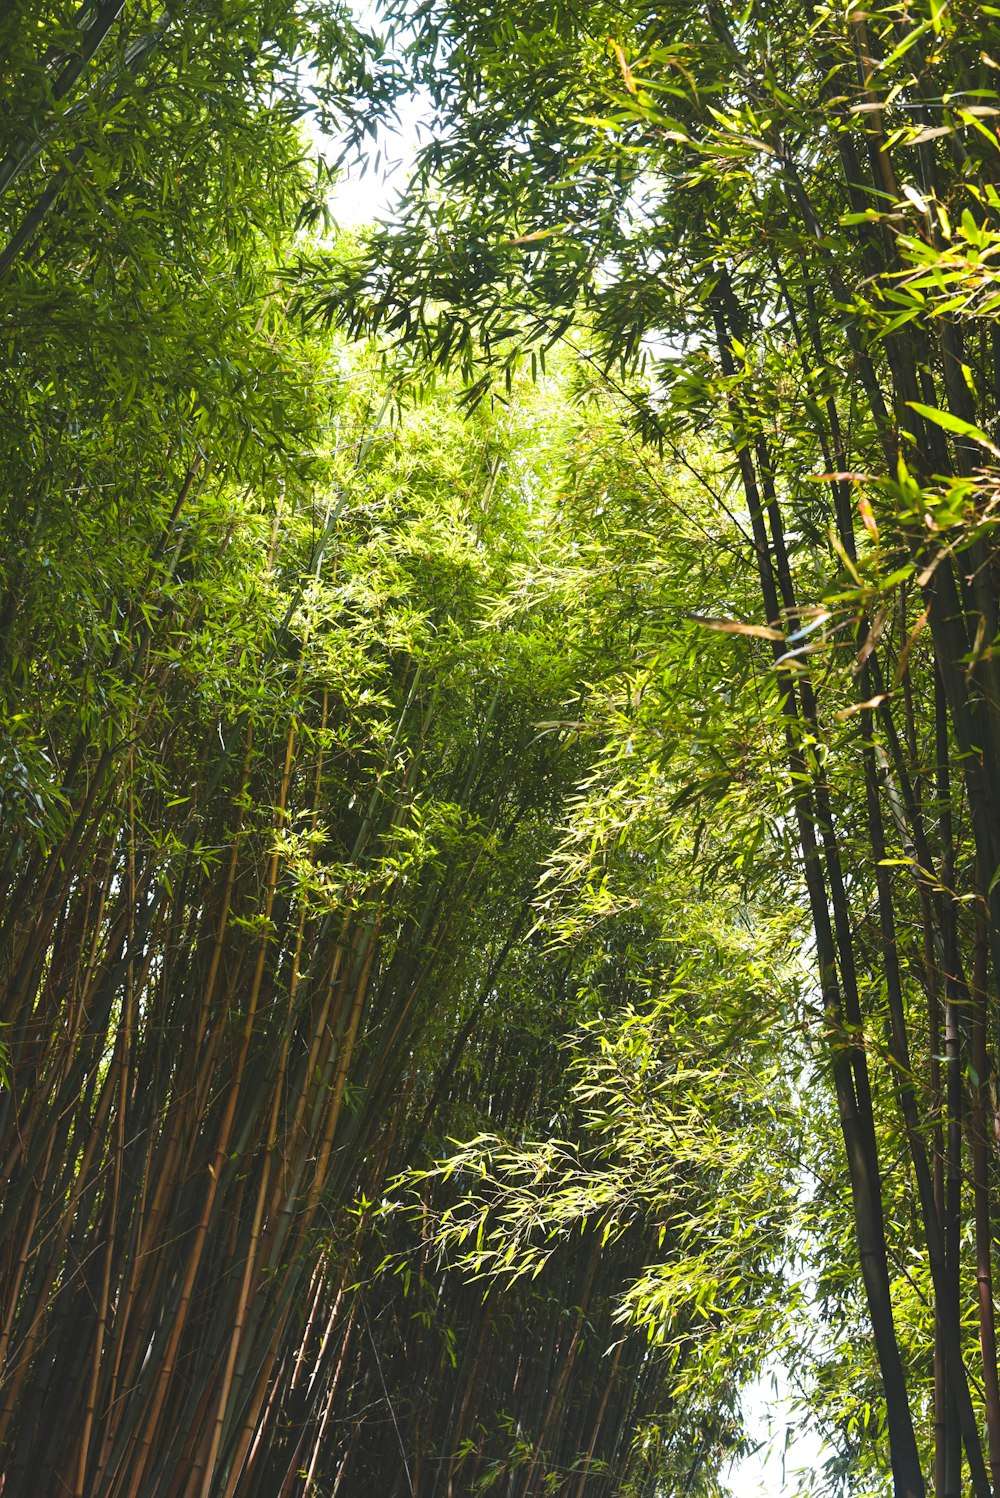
x=499, y=749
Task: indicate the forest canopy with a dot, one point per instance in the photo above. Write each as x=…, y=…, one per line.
x=500, y=749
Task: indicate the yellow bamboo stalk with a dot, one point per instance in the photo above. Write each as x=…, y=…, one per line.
x=246, y=1290
x=256, y=1403
x=310, y=1476
x=90, y=1406
x=124, y=1040
x=255, y=1255
x=134, y=1488
x=344, y=1057
x=42, y=1301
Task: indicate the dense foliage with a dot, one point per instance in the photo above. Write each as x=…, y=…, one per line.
x=795, y=213
x=500, y=845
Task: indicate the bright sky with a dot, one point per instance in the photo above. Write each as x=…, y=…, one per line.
x=775, y=1469
x=361, y=197
x=367, y=192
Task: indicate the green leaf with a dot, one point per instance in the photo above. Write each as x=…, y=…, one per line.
x=955, y=424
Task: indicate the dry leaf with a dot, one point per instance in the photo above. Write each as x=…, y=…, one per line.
x=734, y=627
x=859, y=707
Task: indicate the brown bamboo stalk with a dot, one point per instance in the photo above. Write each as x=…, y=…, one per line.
x=848, y=1064
x=981, y=1195
x=124, y=1040
x=318, y=1441
x=178, y=1122
x=215, y=1169
x=250, y=1269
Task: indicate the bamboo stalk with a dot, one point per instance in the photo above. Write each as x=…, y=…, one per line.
x=981, y=1196
x=216, y=1167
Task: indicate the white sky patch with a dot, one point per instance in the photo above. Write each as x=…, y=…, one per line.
x=368, y=189
x=368, y=193
x=787, y=1453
